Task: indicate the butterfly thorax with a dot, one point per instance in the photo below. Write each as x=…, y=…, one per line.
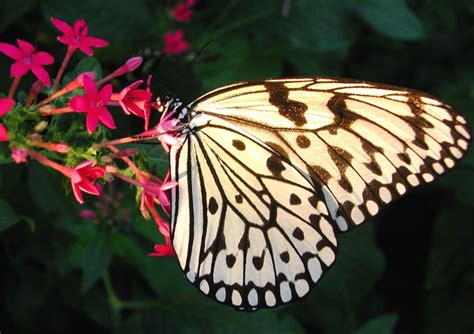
x=174, y=108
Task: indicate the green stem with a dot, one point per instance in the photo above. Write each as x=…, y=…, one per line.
x=115, y=303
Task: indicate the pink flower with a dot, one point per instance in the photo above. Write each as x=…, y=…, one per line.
x=163, y=250
x=27, y=60
x=55, y=147
x=136, y=101
x=6, y=105
x=165, y=131
x=83, y=177
x=129, y=66
x=182, y=12
x=19, y=155
x=174, y=42
x=87, y=214
x=94, y=104
x=156, y=192
x=76, y=37
x=3, y=133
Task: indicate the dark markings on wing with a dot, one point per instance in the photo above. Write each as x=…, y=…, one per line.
x=257, y=261
x=291, y=109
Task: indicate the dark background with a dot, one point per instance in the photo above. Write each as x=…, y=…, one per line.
x=410, y=270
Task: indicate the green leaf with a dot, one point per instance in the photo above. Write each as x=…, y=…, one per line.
x=197, y=314
x=383, y=324
x=347, y=286
x=46, y=189
x=392, y=18
x=250, y=64
x=449, y=288
x=8, y=216
x=88, y=64
x=156, y=157
x=318, y=26
x=96, y=259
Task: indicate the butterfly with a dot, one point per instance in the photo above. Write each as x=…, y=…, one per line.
x=270, y=172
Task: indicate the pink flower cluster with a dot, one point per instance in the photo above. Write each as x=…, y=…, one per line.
x=97, y=97
x=174, y=41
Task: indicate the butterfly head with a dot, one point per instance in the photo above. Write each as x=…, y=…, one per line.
x=181, y=110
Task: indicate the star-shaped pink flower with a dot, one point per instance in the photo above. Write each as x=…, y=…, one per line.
x=175, y=43
x=182, y=12
x=155, y=192
x=82, y=179
x=136, y=101
x=27, y=59
x=76, y=36
x=82, y=176
x=94, y=103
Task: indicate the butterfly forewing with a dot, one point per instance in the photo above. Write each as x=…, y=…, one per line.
x=270, y=169
x=367, y=143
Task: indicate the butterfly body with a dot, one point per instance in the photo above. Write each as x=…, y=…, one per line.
x=270, y=171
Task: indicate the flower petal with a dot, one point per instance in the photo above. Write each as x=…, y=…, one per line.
x=19, y=155
x=80, y=103
x=90, y=87
x=163, y=250
x=68, y=40
x=25, y=46
x=11, y=51
x=42, y=58
x=106, y=118
x=95, y=42
x=80, y=28
x=93, y=172
x=91, y=121
x=3, y=133
x=105, y=93
x=41, y=74
x=6, y=105
x=87, y=186
x=77, y=192
x=62, y=26
x=86, y=49
x=129, y=88
x=84, y=165
x=18, y=69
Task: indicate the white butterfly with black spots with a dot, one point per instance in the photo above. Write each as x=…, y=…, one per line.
x=270, y=171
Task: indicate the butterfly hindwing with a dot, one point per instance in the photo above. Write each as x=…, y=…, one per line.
x=245, y=235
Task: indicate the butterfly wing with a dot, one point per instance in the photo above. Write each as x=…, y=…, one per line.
x=367, y=143
x=241, y=226
x=270, y=169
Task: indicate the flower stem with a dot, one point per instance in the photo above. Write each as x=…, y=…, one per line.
x=115, y=303
x=48, y=111
x=70, y=51
x=49, y=163
x=14, y=86
x=117, y=142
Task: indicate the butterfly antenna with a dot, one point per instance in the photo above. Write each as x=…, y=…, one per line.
x=202, y=48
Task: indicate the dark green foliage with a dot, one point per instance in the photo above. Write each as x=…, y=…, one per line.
x=411, y=270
